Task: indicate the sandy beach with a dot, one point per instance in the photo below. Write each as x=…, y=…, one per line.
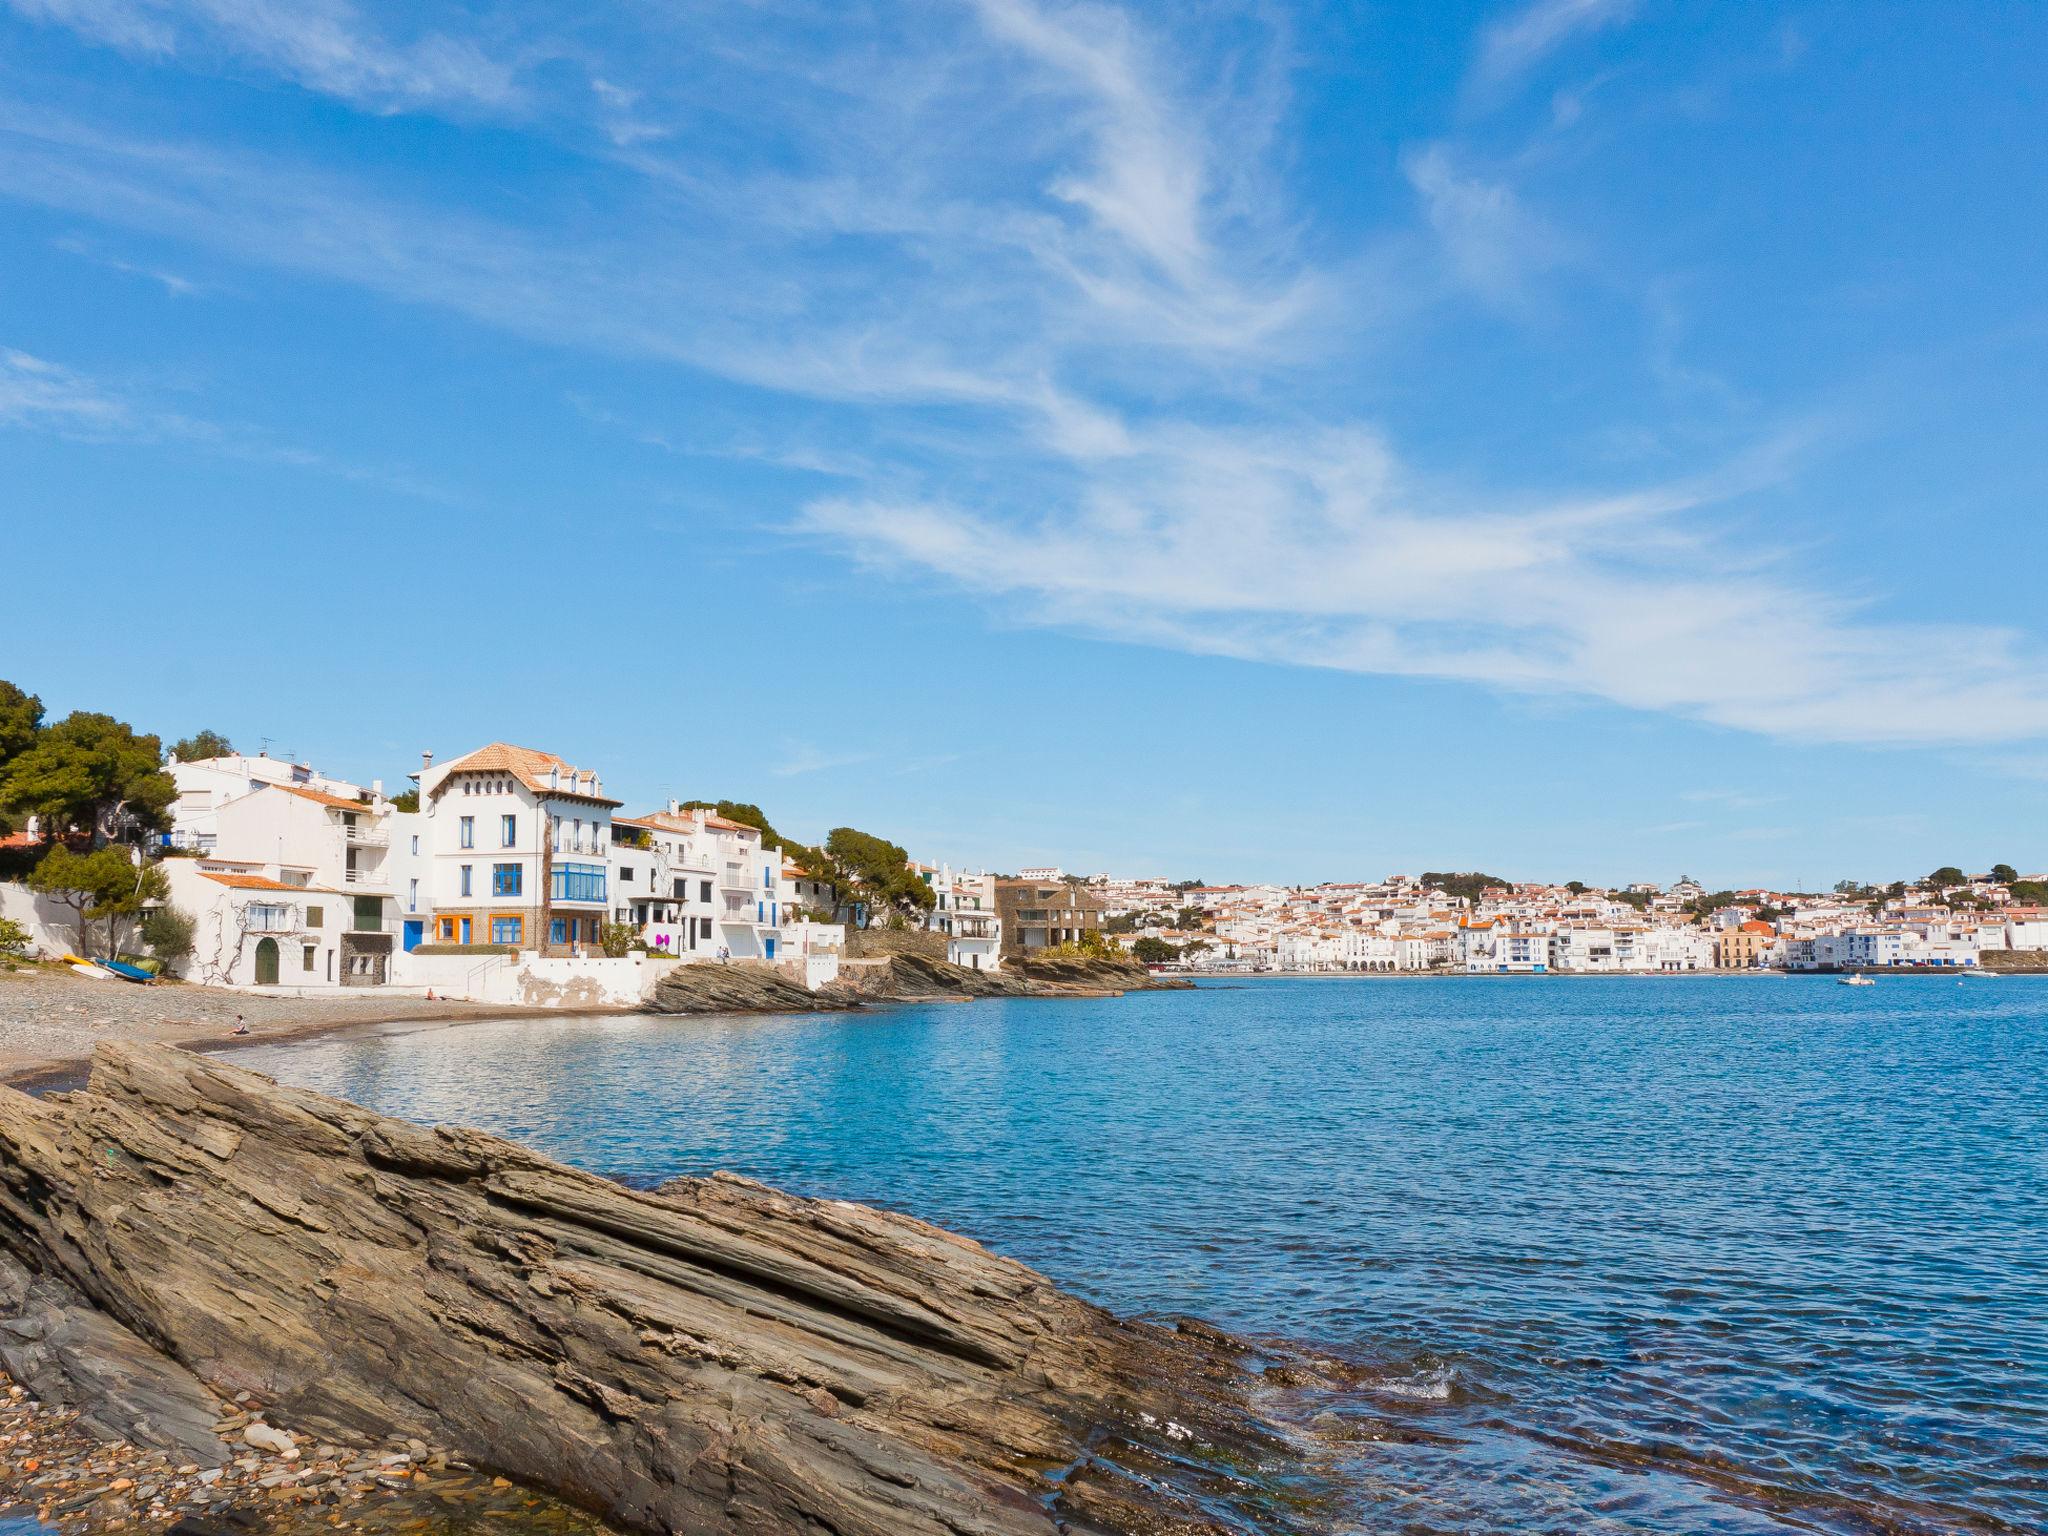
x=50, y=1020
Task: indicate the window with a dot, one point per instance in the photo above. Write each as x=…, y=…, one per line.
x=309, y=957
x=506, y=930
x=507, y=879
x=576, y=837
x=508, y=831
x=558, y=931
x=314, y=916
x=625, y=873
x=412, y=895
x=579, y=882
x=465, y=881
x=767, y=879
x=415, y=843
x=597, y=837
x=468, y=825
x=705, y=894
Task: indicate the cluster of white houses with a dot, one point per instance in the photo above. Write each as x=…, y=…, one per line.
x=300, y=881
x=1405, y=924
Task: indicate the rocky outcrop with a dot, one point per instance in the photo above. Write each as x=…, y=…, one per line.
x=1090, y=973
x=739, y=987
x=713, y=1357
x=882, y=943
x=910, y=978
x=72, y=1355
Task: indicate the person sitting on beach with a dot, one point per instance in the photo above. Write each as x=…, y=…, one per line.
x=240, y=1028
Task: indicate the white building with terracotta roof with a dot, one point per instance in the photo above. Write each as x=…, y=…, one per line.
x=518, y=850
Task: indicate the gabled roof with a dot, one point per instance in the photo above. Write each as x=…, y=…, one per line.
x=335, y=802
x=265, y=883
x=531, y=767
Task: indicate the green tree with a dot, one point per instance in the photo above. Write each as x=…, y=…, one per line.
x=91, y=773
x=1947, y=876
x=1154, y=951
x=2004, y=874
x=103, y=885
x=1576, y=887
x=21, y=720
x=619, y=939
x=875, y=874
x=201, y=745
x=406, y=800
x=1189, y=917
x=168, y=933
x=1468, y=885
x=13, y=938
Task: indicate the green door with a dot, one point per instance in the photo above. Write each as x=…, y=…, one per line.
x=266, y=963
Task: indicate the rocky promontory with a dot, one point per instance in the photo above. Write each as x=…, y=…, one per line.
x=710, y=1357
x=904, y=976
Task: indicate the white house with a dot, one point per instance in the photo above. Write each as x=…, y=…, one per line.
x=515, y=840
x=964, y=910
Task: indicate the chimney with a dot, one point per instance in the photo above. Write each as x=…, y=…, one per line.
x=377, y=788
x=426, y=761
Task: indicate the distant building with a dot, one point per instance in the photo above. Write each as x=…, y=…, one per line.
x=1042, y=914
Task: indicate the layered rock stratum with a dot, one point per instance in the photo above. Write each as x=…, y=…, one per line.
x=710, y=1357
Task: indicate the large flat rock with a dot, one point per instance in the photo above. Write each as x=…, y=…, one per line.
x=714, y=1357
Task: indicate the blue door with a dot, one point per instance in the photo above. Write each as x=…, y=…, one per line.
x=771, y=949
x=415, y=931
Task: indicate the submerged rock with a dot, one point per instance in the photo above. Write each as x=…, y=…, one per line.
x=712, y=1357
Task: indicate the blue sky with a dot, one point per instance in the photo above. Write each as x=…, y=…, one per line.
x=1578, y=439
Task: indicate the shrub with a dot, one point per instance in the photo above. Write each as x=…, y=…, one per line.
x=168, y=933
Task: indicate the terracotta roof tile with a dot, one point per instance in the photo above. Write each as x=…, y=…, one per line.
x=529, y=766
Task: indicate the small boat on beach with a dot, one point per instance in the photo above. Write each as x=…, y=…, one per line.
x=127, y=972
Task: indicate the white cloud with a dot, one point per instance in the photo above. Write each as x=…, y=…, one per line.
x=1493, y=244
x=1519, y=42
x=41, y=396
x=35, y=393
x=1317, y=550
x=324, y=45
x=1042, y=257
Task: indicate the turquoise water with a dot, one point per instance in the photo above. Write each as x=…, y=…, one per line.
x=1720, y=1254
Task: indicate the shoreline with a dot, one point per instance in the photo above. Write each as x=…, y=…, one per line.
x=197, y=1018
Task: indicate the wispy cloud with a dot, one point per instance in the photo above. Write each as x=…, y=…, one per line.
x=324, y=45
x=173, y=283
x=36, y=393
x=41, y=396
x=802, y=757
x=1324, y=551
x=1517, y=43
x=1044, y=254
x=1494, y=245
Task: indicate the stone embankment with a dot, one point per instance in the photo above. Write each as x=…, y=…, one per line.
x=713, y=1357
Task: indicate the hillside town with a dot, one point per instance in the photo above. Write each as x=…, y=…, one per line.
x=509, y=873
x=1473, y=924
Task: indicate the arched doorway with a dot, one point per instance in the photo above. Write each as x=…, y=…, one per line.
x=266, y=963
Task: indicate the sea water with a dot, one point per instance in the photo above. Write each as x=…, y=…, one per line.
x=1742, y=1254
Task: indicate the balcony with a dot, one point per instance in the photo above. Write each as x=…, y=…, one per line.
x=363, y=835
x=365, y=878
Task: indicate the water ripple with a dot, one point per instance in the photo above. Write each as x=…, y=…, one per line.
x=1731, y=1255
